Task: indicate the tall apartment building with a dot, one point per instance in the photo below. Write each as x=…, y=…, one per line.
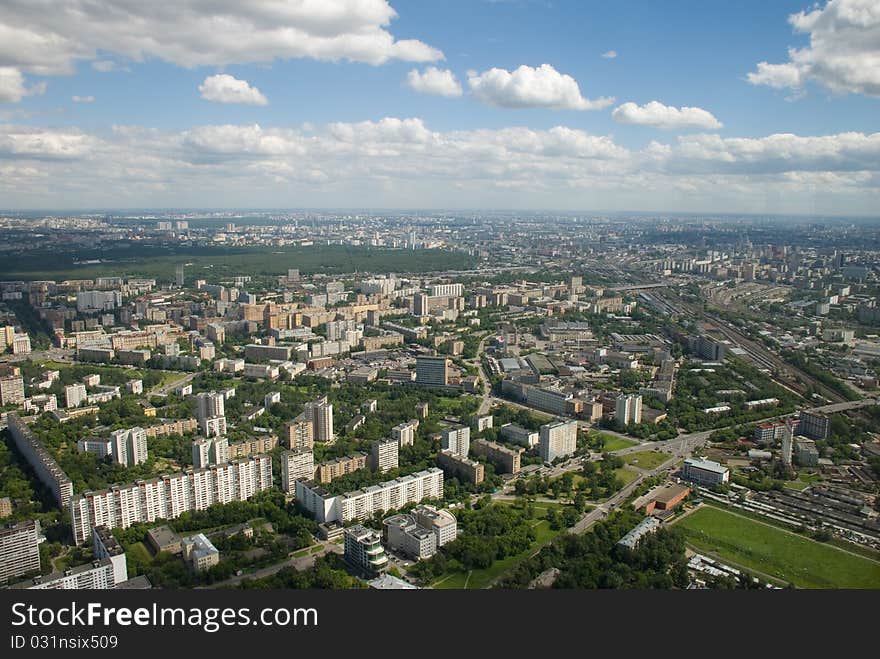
x=457, y=440
x=129, y=446
x=207, y=451
x=558, y=439
x=74, y=395
x=364, y=503
x=364, y=551
x=707, y=347
x=43, y=464
x=320, y=413
x=167, y=497
x=298, y=465
x=19, y=550
x=211, y=413
x=628, y=409
x=405, y=433
x=97, y=575
x=507, y=460
x=384, y=455
x=432, y=371
x=11, y=390
x=814, y=425
x=299, y=434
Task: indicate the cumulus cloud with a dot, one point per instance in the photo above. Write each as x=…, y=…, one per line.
x=82, y=99
x=609, y=54
x=224, y=88
x=439, y=82
x=47, y=38
x=13, y=88
x=665, y=116
x=528, y=87
x=843, y=54
x=250, y=164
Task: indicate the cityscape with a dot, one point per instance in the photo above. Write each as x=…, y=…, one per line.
x=477, y=295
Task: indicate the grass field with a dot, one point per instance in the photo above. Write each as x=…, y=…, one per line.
x=614, y=443
x=646, y=459
x=778, y=553
x=476, y=579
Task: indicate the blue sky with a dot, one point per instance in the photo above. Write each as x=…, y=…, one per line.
x=684, y=54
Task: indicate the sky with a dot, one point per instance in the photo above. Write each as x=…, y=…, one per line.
x=692, y=106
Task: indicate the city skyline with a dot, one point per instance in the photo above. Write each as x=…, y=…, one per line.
x=524, y=105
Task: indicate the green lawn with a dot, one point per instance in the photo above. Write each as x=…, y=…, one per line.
x=776, y=552
x=626, y=474
x=646, y=459
x=614, y=443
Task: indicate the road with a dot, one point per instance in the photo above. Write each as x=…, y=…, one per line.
x=163, y=391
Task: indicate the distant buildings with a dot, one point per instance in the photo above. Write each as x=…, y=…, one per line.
x=705, y=472
x=19, y=550
x=557, y=440
x=364, y=551
x=521, y=436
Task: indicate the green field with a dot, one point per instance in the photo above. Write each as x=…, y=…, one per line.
x=775, y=552
x=214, y=263
x=614, y=443
x=476, y=579
x=646, y=460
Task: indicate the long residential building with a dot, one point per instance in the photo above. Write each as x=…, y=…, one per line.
x=168, y=497
x=362, y=504
x=43, y=464
x=172, y=427
x=507, y=460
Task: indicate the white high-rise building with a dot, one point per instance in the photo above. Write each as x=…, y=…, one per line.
x=210, y=451
x=11, y=390
x=320, y=413
x=628, y=408
x=296, y=466
x=169, y=496
x=457, y=439
x=129, y=446
x=384, y=455
x=74, y=395
x=405, y=433
x=558, y=439
x=19, y=550
x=446, y=290
x=211, y=413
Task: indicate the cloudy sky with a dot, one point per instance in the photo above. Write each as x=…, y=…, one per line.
x=752, y=107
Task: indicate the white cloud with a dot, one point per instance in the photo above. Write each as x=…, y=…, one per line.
x=82, y=99
x=12, y=87
x=439, y=82
x=403, y=162
x=609, y=54
x=665, y=116
x=843, y=54
x=528, y=87
x=48, y=40
x=224, y=88
x=106, y=66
